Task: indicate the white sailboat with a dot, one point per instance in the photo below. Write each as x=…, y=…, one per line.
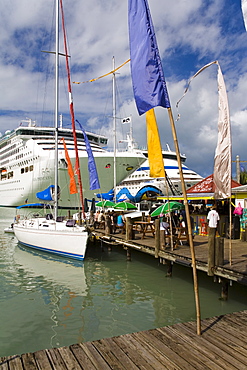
x=51, y=233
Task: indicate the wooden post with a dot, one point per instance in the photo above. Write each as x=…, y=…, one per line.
x=230, y=232
x=94, y=240
x=219, y=251
x=157, y=238
x=91, y=219
x=211, y=250
x=128, y=254
x=224, y=290
x=129, y=228
x=169, y=268
x=107, y=225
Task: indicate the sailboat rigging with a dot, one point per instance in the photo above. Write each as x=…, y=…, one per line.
x=51, y=233
x=71, y=105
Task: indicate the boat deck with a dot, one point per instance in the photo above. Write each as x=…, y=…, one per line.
x=222, y=345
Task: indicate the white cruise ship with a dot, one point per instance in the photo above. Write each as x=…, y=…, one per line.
x=139, y=185
x=27, y=164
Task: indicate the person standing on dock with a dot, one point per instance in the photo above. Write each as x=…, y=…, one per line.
x=96, y=220
x=213, y=218
x=114, y=221
x=101, y=220
x=164, y=230
x=121, y=221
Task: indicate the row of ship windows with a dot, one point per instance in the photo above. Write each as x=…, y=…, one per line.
x=27, y=169
x=8, y=151
x=9, y=175
x=145, y=174
x=134, y=186
x=9, y=154
x=141, y=175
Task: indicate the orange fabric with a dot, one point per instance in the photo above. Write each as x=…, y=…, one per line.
x=72, y=185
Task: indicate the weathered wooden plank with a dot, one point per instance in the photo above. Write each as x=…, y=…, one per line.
x=120, y=354
x=103, y=348
x=240, y=314
x=231, y=339
x=130, y=350
x=56, y=359
x=15, y=363
x=198, y=359
x=164, y=349
x=28, y=361
x=179, y=346
x=4, y=363
x=231, y=332
x=219, y=348
x=150, y=343
x=240, y=322
x=42, y=360
x=69, y=359
x=95, y=356
x=202, y=347
x=82, y=357
x=144, y=350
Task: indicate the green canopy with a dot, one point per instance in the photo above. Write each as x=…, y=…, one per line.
x=167, y=207
x=124, y=206
x=105, y=204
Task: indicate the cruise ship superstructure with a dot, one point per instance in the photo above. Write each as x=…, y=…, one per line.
x=139, y=185
x=27, y=164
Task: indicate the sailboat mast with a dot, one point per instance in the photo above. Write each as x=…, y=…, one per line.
x=71, y=106
x=114, y=126
x=56, y=109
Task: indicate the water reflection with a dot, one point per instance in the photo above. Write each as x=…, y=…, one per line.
x=49, y=301
x=58, y=271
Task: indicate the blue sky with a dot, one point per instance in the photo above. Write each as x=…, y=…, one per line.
x=189, y=33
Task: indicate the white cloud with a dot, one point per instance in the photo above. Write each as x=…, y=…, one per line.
x=190, y=34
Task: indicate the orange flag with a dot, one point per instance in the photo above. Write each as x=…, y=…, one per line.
x=72, y=185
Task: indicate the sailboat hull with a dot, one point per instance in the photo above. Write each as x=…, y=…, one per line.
x=52, y=237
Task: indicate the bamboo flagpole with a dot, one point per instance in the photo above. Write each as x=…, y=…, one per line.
x=192, y=249
x=150, y=91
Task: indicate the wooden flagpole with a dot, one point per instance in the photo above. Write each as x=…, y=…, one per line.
x=192, y=250
x=230, y=231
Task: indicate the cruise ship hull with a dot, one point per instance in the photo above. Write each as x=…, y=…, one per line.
x=22, y=187
x=27, y=166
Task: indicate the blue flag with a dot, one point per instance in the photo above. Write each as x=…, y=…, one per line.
x=147, y=73
x=93, y=174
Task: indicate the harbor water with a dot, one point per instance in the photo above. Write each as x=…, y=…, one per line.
x=48, y=301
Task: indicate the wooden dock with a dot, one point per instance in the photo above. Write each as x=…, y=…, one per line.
x=222, y=345
x=236, y=271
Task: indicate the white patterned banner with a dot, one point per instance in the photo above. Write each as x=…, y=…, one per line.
x=244, y=10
